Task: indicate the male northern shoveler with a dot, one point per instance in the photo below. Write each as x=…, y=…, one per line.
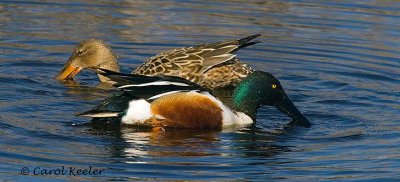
x=210, y=65
x=175, y=102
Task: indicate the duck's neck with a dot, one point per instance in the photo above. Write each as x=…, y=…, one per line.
x=245, y=106
x=112, y=65
x=250, y=94
x=246, y=101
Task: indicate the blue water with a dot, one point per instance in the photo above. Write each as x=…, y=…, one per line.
x=337, y=60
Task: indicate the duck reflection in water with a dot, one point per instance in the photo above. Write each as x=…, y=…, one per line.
x=136, y=142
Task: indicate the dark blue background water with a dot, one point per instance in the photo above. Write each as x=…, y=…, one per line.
x=338, y=60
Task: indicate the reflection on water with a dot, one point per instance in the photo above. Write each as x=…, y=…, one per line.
x=338, y=61
x=180, y=143
x=145, y=142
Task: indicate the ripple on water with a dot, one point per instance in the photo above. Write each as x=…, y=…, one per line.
x=338, y=62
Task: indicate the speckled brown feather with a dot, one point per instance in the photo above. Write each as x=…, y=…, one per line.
x=210, y=65
x=226, y=75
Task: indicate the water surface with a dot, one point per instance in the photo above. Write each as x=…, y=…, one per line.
x=337, y=60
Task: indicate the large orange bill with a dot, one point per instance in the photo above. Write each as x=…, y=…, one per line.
x=67, y=73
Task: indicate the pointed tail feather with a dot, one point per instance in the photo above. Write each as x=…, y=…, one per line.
x=110, y=107
x=248, y=39
x=99, y=114
x=244, y=42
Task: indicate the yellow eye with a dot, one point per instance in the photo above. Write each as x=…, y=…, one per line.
x=273, y=86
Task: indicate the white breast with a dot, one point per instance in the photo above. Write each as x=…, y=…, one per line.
x=138, y=112
x=230, y=117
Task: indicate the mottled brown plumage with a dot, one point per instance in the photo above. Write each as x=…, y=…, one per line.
x=211, y=65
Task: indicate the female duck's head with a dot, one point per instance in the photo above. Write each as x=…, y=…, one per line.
x=261, y=88
x=89, y=54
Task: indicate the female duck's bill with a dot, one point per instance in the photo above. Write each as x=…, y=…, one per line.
x=211, y=65
x=175, y=102
x=68, y=72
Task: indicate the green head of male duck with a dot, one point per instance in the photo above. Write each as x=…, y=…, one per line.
x=261, y=88
x=89, y=54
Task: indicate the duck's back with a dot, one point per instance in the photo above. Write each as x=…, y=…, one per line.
x=210, y=65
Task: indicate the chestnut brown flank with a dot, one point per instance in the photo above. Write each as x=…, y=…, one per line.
x=186, y=110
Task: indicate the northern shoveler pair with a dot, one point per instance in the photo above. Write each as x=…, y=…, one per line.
x=174, y=92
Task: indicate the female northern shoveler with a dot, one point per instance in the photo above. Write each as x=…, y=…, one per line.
x=175, y=102
x=210, y=65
